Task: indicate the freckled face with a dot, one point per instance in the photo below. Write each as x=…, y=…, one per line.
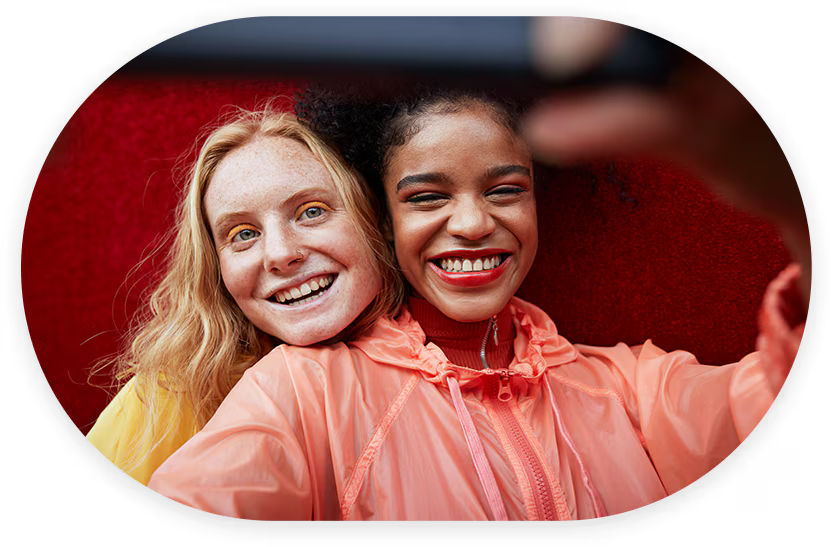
x=460, y=193
x=289, y=255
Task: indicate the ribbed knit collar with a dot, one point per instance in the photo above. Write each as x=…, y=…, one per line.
x=461, y=342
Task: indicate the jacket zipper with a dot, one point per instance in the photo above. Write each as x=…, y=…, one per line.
x=532, y=465
x=491, y=327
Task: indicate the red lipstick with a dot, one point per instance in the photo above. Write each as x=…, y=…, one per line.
x=470, y=279
x=470, y=253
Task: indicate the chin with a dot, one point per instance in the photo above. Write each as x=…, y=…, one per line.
x=472, y=313
x=302, y=336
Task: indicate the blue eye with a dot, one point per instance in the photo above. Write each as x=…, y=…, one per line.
x=242, y=232
x=245, y=235
x=312, y=210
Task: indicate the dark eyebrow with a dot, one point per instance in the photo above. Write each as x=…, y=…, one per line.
x=504, y=170
x=493, y=173
x=411, y=180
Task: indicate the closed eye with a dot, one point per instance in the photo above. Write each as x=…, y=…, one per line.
x=426, y=198
x=507, y=190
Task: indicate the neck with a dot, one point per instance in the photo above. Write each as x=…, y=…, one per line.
x=467, y=344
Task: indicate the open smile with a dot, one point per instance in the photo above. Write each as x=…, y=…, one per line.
x=462, y=264
x=470, y=270
x=306, y=292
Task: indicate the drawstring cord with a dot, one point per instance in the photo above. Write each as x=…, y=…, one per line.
x=478, y=455
x=598, y=506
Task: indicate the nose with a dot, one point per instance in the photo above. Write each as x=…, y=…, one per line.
x=471, y=220
x=282, y=251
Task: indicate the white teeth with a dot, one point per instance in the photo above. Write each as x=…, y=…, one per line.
x=466, y=265
x=294, y=296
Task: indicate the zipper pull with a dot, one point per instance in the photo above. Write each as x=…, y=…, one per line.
x=505, y=392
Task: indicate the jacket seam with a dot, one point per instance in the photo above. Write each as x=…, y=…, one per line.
x=592, y=391
x=601, y=392
x=354, y=484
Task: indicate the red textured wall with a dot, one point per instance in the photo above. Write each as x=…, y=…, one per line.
x=679, y=268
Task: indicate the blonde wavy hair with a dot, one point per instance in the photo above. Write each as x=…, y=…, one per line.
x=191, y=340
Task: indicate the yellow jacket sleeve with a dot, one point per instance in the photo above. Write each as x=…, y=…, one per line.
x=117, y=432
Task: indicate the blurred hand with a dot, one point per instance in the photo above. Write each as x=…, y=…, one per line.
x=34, y=503
x=698, y=119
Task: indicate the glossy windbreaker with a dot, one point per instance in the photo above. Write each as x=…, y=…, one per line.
x=387, y=428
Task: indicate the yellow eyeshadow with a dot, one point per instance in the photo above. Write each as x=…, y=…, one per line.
x=237, y=229
x=311, y=204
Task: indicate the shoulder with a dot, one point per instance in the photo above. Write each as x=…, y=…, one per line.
x=121, y=433
x=287, y=371
x=124, y=411
x=290, y=360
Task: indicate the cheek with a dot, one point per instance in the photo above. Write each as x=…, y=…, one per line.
x=528, y=236
x=346, y=246
x=365, y=279
x=412, y=233
x=524, y=223
x=235, y=277
x=531, y=217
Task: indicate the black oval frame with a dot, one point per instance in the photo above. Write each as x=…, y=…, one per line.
x=160, y=508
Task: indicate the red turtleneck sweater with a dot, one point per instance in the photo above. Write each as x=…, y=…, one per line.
x=461, y=342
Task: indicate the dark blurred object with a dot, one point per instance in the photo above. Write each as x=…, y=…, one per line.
x=703, y=121
x=385, y=53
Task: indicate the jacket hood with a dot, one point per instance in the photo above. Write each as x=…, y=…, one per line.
x=400, y=342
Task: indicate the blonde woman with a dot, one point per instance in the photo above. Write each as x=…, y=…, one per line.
x=276, y=242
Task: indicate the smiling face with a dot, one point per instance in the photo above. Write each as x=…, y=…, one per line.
x=289, y=254
x=460, y=195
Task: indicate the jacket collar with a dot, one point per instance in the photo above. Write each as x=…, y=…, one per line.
x=462, y=342
x=401, y=342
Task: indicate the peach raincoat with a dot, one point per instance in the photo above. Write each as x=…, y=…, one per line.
x=387, y=428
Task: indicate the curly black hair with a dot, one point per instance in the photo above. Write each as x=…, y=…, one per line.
x=365, y=125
